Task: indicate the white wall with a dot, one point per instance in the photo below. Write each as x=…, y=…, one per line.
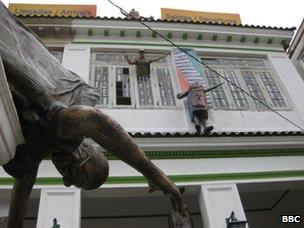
x=77, y=58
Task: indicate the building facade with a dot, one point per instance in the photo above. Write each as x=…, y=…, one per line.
x=251, y=163
x=296, y=50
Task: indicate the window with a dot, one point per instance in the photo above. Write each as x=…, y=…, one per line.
x=57, y=54
x=302, y=60
x=101, y=82
x=119, y=86
x=252, y=75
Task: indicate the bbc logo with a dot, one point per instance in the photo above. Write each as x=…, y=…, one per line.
x=290, y=218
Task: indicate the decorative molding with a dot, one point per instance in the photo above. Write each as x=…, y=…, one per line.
x=229, y=38
x=153, y=35
x=169, y=45
x=217, y=153
x=270, y=41
x=185, y=35
x=106, y=32
x=138, y=34
x=177, y=178
x=90, y=32
x=199, y=36
x=169, y=35
x=256, y=40
x=122, y=33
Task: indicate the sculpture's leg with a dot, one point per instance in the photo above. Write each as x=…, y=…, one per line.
x=80, y=121
x=19, y=199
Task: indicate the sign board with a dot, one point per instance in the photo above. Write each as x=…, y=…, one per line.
x=187, y=15
x=53, y=10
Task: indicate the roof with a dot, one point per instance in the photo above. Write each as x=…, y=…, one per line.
x=164, y=21
x=214, y=134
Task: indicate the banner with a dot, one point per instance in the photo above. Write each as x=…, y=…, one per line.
x=187, y=15
x=53, y=10
x=189, y=70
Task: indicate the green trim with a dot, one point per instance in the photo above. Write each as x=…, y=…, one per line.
x=199, y=36
x=229, y=38
x=138, y=34
x=256, y=40
x=269, y=41
x=176, y=178
x=185, y=36
x=243, y=39
x=153, y=35
x=106, y=32
x=214, y=37
x=183, y=45
x=169, y=35
x=218, y=153
x=283, y=42
x=122, y=33
x=90, y=32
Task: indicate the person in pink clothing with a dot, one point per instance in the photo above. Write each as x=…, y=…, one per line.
x=197, y=105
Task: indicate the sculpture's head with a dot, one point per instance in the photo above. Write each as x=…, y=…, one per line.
x=141, y=53
x=86, y=167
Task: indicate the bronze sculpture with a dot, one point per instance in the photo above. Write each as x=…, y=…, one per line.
x=55, y=108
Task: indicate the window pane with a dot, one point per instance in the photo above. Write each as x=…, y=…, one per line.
x=238, y=96
x=123, y=94
x=109, y=58
x=272, y=89
x=234, y=62
x=101, y=83
x=254, y=88
x=144, y=90
x=218, y=94
x=57, y=55
x=165, y=87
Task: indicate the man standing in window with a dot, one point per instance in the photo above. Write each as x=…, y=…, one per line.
x=143, y=71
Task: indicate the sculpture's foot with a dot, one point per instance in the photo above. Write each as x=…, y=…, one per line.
x=176, y=220
x=208, y=129
x=198, y=128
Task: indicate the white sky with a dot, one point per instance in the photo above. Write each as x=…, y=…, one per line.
x=278, y=13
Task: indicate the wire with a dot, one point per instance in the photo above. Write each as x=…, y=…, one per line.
x=209, y=68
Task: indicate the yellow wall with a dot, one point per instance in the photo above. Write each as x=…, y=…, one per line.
x=187, y=15
x=53, y=10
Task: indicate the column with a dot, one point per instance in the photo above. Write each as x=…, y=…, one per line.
x=62, y=204
x=4, y=209
x=217, y=201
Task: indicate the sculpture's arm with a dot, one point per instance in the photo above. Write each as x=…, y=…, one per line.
x=159, y=58
x=19, y=199
x=128, y=59
x=79, y=121
x=182, y=95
